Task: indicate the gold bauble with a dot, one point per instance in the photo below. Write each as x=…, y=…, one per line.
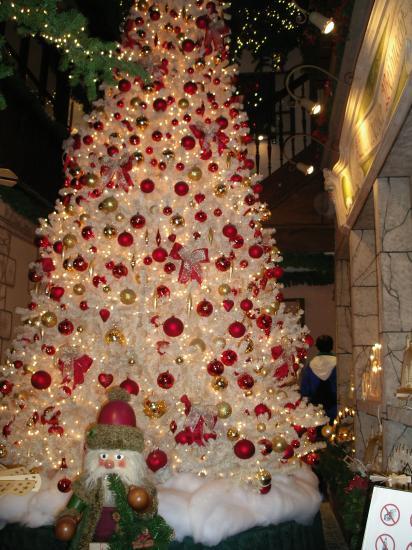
x=177, y=220
x=261, y=427
x=246, y=182
x=69, y=240
x=219, y=383
x=110, y=232
x=146, y=50
x=198, y=343
x=131, y=361
x=79, y=289
x=49, y=319
x=220, y=190
x=91, y=180
x=183, y=103
x=148, y=88
x=195, y=173
x=224, y=410
x=3, y=451
x=119, y=217
x=168, y=27
x=138, y=157
x=30, y=422
x=109, y=204
x=327, y=431
x=168, y=154
x=224, y=290
x=115, y=336
x=264, y=477
x=69, y=209
x=248, y=393
x=179, y=360
x=80, y=329
x=142, y=5
x=199, y=63
x=154, y=409
x=135, y=102
x=232, y=433
x=28, y=369
x=83, y=218
x=127, y=296
x=106, y=289
x=279, y=444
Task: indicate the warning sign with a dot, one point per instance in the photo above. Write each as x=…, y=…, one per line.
x=389, y=524
x=384, y=542
x=390, y=514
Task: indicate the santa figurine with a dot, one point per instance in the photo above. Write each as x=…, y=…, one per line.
x=112, y=500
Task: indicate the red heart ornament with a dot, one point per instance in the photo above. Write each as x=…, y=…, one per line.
x=104, y=314
x=199, y=198
x=105, y=379
x=172, y=238
x=228, y=304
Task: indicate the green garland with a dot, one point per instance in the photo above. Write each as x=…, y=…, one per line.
x=348, y=492
x=131, y=526
x=89, y=60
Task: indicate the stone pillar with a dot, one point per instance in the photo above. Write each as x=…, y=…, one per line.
x=343, y=342
x=392, y=198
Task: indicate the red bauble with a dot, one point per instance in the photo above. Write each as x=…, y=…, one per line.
x=215, y=368
x=311, y=458
x=65, y=327
x=83, y=305
x=213, y=167
x=238, y=241
x=237, y=329
x=160, y=104
x=18, y=364
x=169, y=268
x=173, y=327
x=190, y=88
x=87, y=232
x=159, y=254
x=163, y=291
x=130, y=386
x=56, y=293
x=147, y=185
x=255, y=251
x=222, y=263
x=64, y=485
x=165, y=380
x=244, y=449
x=188, y=142
x=264, y=321
x=80, y=264
x=137, y=221
x=157, y=135
x=229, y=231
x=246, y=304
x=6, y=386
x=34, y=277
x=309, y=340
x=202, y=22
x=276, y=352
x=105, y=379
x=181, y=188
x=228, y=304
x=278, y=272
x=125, y=239
x=124, y=85
x=201, y=216
x=58, y=247
x=245, y=382
x=229, y=357
x=156, y=460
x=112, y=150
x=217, y=212
x=204, y=308
x=265, y=490
x=188, y=45
x=222, y=121
x=41, y=380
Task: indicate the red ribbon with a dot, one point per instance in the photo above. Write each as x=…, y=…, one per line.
x=190, y=268
x=80, y=366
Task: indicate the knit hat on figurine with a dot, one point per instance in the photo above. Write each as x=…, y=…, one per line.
x=116, y=425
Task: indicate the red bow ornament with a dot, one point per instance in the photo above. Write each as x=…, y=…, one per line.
x=215, y=33
x=190, y=268
x=73, y=367
x=119, y=170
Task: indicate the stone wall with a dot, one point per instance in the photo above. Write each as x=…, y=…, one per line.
x=17, y=250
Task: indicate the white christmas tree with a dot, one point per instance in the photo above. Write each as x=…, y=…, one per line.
x=154, y=274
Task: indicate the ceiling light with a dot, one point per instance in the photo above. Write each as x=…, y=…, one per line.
x=323, y=23
x=306, y=169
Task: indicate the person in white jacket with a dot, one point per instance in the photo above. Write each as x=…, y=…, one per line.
x=318, y=382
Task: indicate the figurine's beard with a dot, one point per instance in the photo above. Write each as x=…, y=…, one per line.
x=134, y=472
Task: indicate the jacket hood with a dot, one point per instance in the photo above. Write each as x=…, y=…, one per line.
x=323, y=365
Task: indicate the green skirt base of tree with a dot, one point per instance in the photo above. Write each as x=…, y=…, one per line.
x=286, y=536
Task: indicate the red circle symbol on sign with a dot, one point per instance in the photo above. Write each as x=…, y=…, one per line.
x=390, y=515
x=384, y=542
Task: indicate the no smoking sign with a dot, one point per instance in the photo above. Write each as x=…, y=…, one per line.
x=390, y=515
